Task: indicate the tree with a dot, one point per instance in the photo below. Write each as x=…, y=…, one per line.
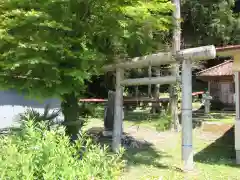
x=210, y=22
x=52, y=47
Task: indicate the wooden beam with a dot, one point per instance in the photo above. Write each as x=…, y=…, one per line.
x=194, y=54
x=140, y=62
x=198, y=54
x=146, y=81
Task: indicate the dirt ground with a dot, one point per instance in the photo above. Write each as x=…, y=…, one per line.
x=209, y=132
x=216, y=128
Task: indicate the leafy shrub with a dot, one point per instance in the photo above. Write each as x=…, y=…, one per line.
x=36, y=152
x=50, y=118
x=33, y=115
x=87, y=109
x=91, y=110
x=164, y=123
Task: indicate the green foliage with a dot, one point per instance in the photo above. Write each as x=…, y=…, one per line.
x=51, y=48
x=87, y=110
x=38, y=117
x=164, y=123
x=35, y=152
x=210, y=22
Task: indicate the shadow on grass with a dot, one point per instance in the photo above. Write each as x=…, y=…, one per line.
x=144, y=154
x=219, y=152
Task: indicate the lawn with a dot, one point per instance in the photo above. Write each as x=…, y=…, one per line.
x=159, y=154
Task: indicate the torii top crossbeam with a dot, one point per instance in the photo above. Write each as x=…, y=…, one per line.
x=194, y=54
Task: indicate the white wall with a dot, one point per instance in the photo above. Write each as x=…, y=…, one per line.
x=12, y=104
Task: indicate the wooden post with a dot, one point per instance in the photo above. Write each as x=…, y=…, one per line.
x=176, y=44
x=136, y=95
x=187, y=147
x=118, y=114
x=150, y=85
x=109, y=114
x=209, y=87
x=156, y=106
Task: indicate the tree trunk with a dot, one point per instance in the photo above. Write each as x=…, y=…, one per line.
x=174, y=109
x=71, y=112
x=176, y=46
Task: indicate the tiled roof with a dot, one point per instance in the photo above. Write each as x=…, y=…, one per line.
x=223, y=69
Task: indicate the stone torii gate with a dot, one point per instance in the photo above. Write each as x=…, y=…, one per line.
x=186, y=57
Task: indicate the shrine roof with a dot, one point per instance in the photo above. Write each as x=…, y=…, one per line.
x=223, y=69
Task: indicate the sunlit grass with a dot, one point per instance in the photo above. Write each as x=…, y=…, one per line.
x=163, y=158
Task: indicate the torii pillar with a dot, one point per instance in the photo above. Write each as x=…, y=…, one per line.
x=234, y=51
x=236, y=69
x=237, y=122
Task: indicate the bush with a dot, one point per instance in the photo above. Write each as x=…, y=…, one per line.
x=164, y=123
x=88, y=110
x=47, y=116
x=36, y=152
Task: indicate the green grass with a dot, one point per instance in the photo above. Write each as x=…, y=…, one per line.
x=225, y=118
x=144, y=118
x=138, y=117
x=167, y=163
x=214, y=159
